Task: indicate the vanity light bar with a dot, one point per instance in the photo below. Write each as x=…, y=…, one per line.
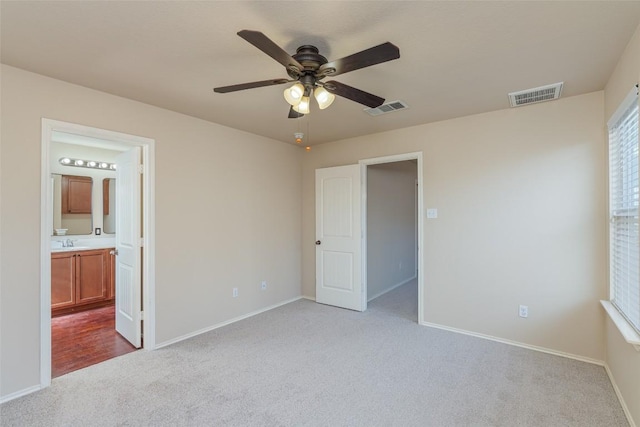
x=91, y=164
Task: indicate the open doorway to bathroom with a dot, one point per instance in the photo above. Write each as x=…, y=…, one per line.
x=83, y=291
x=97, y=246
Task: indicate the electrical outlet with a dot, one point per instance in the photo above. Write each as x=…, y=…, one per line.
x=523, y=311
x=263, y=285
x=235, y=292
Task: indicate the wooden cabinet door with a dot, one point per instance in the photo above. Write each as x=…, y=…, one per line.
x=76, y=194
x=91, y=276
x=63, y=288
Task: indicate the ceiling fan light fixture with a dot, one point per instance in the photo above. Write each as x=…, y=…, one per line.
x=307, y=67
x=294, y=94
x=324, y=97
x=303, y=106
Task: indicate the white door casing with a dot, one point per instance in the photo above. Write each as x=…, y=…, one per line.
x=338, y=238
x=128, y=247
x=114, y=140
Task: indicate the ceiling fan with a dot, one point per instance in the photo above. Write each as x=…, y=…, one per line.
x=307, y=68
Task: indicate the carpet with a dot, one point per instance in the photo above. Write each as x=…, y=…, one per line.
x=307, y=364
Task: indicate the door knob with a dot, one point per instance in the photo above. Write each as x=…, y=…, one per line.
x=318, y=242
x=113, y=252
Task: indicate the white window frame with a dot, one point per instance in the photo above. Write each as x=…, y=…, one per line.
x=623, y=269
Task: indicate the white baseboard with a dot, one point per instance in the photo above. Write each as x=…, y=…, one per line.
x=397, y=285
x=516, y=343
x=20, y=393
x=225, y=323
x=309, y=298
x=625, y=408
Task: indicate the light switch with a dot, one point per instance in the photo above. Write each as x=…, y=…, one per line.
x=432, y=213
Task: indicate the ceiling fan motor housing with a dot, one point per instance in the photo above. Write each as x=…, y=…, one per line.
x=308, y=56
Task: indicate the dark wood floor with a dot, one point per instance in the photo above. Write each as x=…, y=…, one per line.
x=83, y=339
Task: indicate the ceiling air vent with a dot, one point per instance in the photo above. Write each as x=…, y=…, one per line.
x=388, y=107
x=538, y=94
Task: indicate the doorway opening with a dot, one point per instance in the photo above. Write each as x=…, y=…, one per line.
x=86, y=220
x=392, y=233
x=392, y=238
x=341, y=234
x=83, y=279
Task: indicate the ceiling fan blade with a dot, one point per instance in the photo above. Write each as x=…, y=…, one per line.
x=243, y=86
x=266, y=45
x=372, y=56
x=293, y=114
x=353, y=94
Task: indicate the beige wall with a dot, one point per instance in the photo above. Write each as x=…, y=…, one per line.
x=623, y=360
x=241, y=193
x=520, y=196
x=391, y=225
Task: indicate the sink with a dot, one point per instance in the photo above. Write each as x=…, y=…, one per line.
x=71, y=248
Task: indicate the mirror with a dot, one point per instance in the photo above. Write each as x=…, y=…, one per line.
x=109, y=205
x=89, y=162
x=72, y=204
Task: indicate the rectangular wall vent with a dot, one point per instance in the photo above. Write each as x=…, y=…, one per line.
x=538, y=94
x=387, y=107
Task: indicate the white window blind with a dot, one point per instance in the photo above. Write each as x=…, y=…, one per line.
x=624, y=193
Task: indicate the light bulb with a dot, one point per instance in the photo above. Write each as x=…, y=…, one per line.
x=293, y=95
x=104, y=165
x=92, y=164
x=65, y=161
x=303, y=106
x=324, y=97
x=79, y=162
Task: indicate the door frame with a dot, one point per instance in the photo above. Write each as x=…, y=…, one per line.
x=148, y=230
x=420, y=219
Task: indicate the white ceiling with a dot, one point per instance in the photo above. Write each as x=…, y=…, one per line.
x=456, y=58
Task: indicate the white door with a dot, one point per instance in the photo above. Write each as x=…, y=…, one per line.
x=128, y=247
x=338, y=238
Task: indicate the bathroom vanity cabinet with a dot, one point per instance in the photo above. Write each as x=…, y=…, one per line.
x=81, y=280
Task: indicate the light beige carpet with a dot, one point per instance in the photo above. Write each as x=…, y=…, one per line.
x=306, y=364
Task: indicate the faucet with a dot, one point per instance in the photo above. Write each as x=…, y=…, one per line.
x=67, y=243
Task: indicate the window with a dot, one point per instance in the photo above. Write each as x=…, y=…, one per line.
x=624, y=192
